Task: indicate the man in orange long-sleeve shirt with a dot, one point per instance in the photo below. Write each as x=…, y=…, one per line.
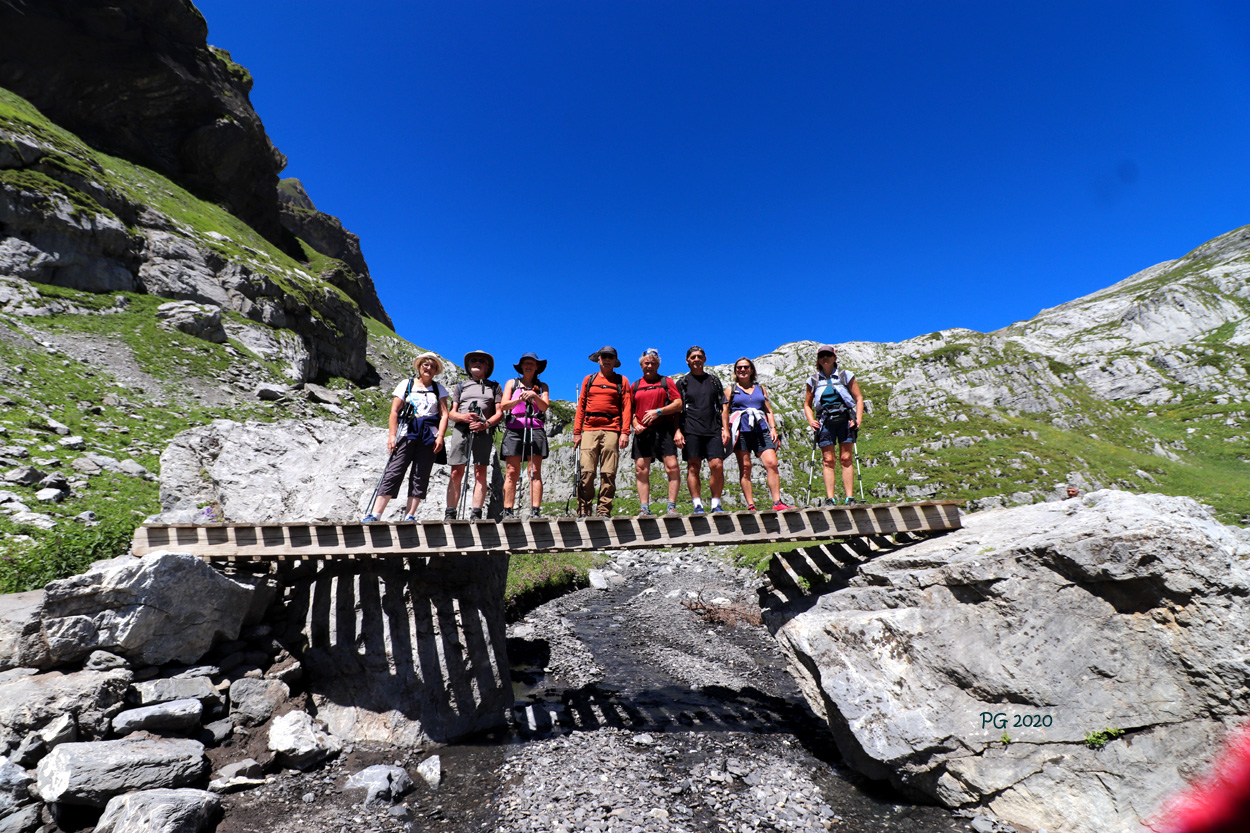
x=601, y=429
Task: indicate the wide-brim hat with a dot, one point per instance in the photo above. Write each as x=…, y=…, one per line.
x=542, y=363
x=479, y=354
x=611, y=351
x=438, y=363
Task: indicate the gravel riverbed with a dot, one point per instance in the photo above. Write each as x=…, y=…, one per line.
x=634, y=713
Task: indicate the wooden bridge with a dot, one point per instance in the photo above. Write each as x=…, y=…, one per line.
x=899, y=523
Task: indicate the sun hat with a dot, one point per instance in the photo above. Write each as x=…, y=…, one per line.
x=827, y=348
x=438, y=363
x=542, y=363
x=605, y=350
x=480, y=354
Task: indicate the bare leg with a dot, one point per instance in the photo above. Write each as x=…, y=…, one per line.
x=692, y=477
x=829, y=469
x=769, y=458
x=848, y=468
x=413, y=503
x=511, y=475
x=642, y=479
x=536, y=481
x=453, y=486
x=717, y=468
x=379, y=505
x=744, y=479
x=674, y=477
x=479, y=486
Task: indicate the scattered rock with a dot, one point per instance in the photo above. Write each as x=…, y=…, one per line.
x=92, y=773
x=271, y=393
x=320, y=395
x=103, y=661
x=431, y=770
x=50, y=495
x=252, y=702
x=300, y=741
x=21, y=630
x=14, y=787
x=24, y=820
x=29, y=701
x=24, y=476
x=385, y=784
x=73, y=442
x=63, y=729
x=172, y=716
x=134, y=469
x=160, y=811
x=85, y=465
x=35, y=519
x=154, y=692
x=199, y=320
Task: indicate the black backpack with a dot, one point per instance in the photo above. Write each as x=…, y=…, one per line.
x=717, y=384
x=586, y=385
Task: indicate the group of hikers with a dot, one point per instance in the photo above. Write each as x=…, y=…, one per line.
x=695, y=414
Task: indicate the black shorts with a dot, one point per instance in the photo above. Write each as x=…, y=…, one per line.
x=656, y=442
x=514, y=442
x=703, y=448
x=836, y=432
x=755, y=441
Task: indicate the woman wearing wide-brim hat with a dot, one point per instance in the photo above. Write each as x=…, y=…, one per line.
x=423, y=402
x=525, y=403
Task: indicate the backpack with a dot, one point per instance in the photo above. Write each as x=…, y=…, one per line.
x=541, y=416
x=734, y=390
x=716, y=384
x=831, y=395
x=663, y=383
x=487, y=383
x=586, y=385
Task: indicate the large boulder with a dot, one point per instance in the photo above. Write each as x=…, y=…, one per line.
x=30, y=701
x=21, y=631
x=988, y=667
x=160, y=811
x=92, y=773
x=161, y=608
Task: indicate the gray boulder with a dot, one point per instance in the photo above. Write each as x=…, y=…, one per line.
x=168, y=690
x=252, y=701
x=164, y=607
x=971, y=668
x=24, y=476
x=174, y=716
x=21, y=630
x=14, y=787
x=92, y=773
x=385, y=784
x=199, y=320
x=30, y=701
x=24, y=820
x=300, y=741
x=160, y=811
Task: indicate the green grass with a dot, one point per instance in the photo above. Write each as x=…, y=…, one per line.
x=536, y=578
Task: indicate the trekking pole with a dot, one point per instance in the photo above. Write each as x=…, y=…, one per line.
x=374, y=498
x=468, y=464
x=527, y=437
x=811, y=471
x=855, y=448
x=577, y=471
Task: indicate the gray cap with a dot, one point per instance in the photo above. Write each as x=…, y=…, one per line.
x=827, y=348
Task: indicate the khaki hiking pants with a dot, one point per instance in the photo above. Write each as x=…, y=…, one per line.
x=599, y=450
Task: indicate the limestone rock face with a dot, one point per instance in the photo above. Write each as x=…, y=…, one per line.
x=971, y=668
x=167, y=606
x=160, y=811
x=92, y=773
x=200, y=320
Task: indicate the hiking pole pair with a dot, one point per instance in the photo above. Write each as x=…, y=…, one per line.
x=470, y=441
x=524, y=476
x=811, y=470
x=858, y=471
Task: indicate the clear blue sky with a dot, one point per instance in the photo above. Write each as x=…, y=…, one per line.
x=552, y=176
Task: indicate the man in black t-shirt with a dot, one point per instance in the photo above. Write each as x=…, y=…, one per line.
x=703, y=432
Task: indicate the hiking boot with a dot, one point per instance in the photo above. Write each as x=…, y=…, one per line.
x=830, y=502
x=410, y=519
x=369, y=519
x=603, y=513
x=645, y=511
x=718, y=510
x=850, y=501
x=671, y=510
x=698, y=510
x=780, y=506
x=450, y=514
x=475, y=514
x=750, y=507
x=507, y=514
x=536, y=512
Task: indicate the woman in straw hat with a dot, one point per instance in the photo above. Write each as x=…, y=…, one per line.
x=421, y=440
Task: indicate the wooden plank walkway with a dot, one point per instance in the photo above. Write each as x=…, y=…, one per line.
x=295, y=542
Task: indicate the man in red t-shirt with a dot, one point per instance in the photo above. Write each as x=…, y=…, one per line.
x=656, y=404
x=601, y=430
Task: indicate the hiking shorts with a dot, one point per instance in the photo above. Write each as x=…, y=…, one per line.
x=703, y=448
x=514, y=443
x=839, y=431
x=755, y=441
x=657, y=442
x=462, y=441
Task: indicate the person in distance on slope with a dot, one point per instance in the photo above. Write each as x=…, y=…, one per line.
x=834, y=408
x=754, y=429
x=656, y=404
x=525, y=401
x=601, y=429
x=703, y=433
x=422, y=437
x=475, y=412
